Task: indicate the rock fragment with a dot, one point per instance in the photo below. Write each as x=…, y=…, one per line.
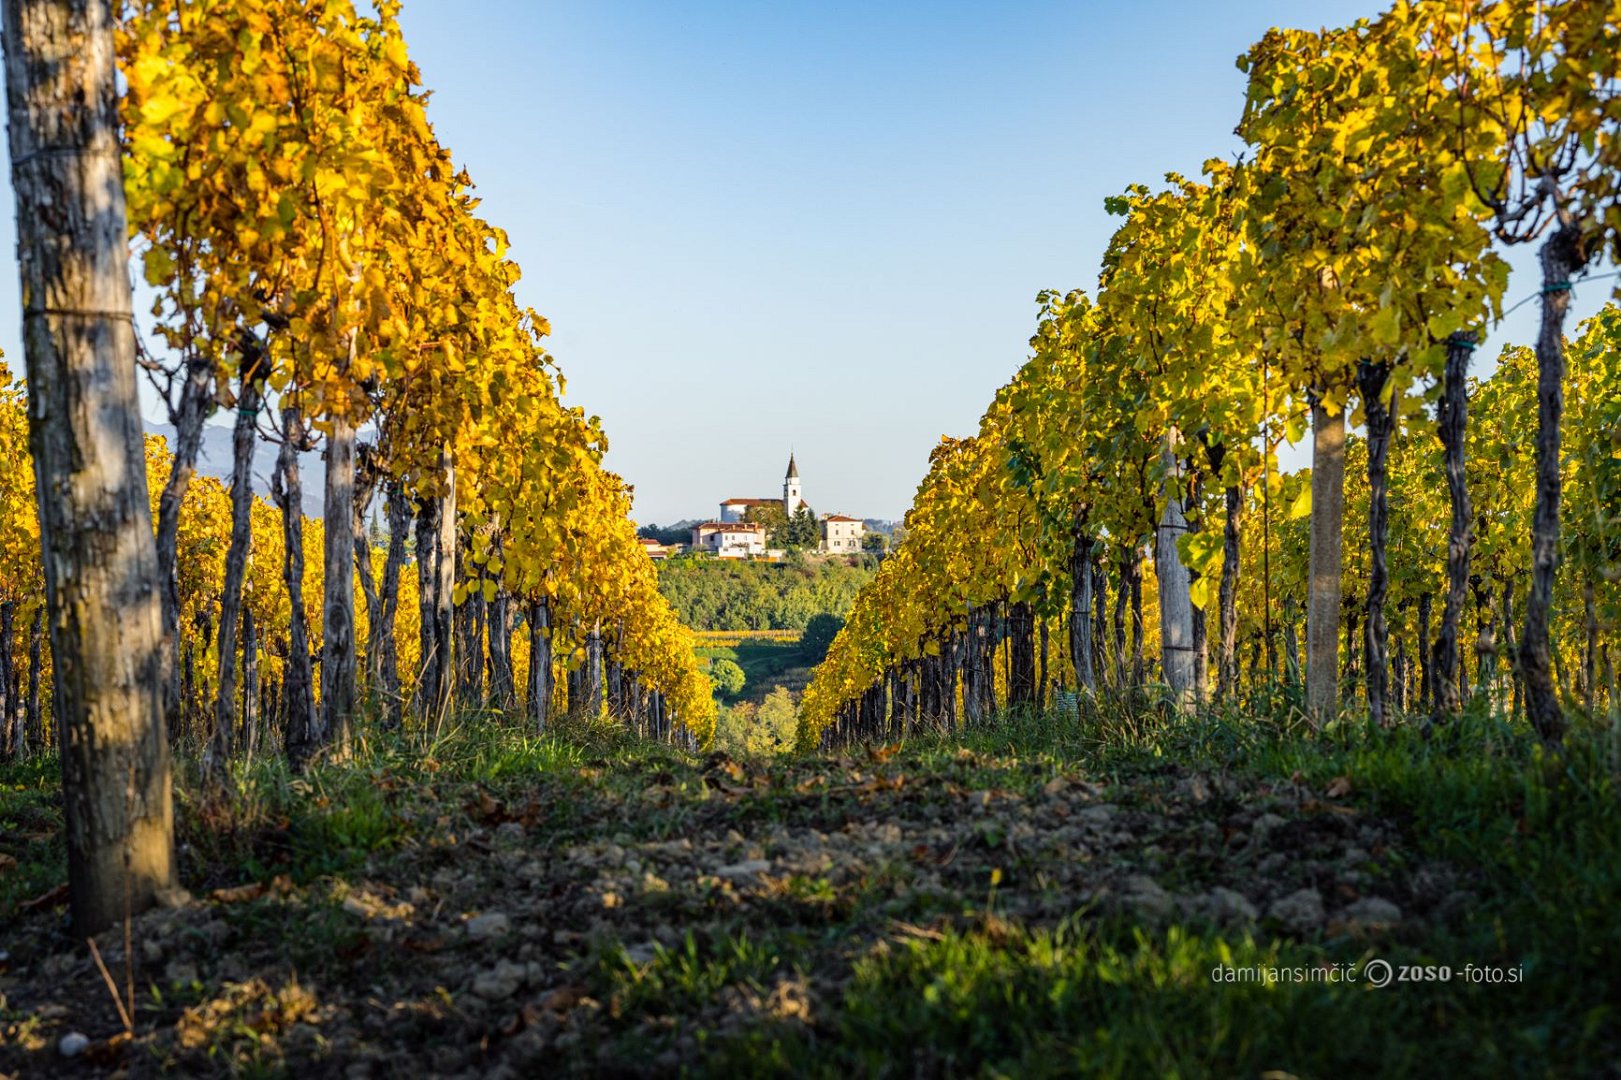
x=1301, y=912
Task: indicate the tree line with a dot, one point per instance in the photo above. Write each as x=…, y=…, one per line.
x=1344, y=271
x=323, y=277
x=736, y=594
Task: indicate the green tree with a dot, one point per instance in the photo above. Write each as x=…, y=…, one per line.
x=818, y=636
x=747, y=730
x=733, y=726
x=678, y=533
x=801, y=531
x=776, y=722
x=727, y=676
x=775, y=520
x=737, y=595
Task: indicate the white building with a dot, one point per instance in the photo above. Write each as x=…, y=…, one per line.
x=842, y=535
x=729, y=539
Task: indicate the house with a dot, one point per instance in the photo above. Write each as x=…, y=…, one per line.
x=654, y=549
x=791, y=502
x=729, y=539
x=842, y=535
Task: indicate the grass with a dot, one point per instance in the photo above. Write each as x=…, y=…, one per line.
x=1540, y=833
x=1086, y=999
x=32, y=851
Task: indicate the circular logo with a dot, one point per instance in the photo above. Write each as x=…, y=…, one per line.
x=1377, y=972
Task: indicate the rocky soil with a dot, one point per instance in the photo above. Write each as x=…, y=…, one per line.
x=627, y=918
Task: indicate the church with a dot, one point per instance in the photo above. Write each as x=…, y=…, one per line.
x=792, y=501
x=731, y=536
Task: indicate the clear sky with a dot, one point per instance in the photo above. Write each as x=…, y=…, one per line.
x=764, y=225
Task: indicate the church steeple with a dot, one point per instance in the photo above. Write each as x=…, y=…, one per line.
x=790, y=488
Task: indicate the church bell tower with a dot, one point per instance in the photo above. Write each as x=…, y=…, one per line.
x=790, y=488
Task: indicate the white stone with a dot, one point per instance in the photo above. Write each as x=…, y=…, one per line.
x=488, y=925
x=500, y=982
x=748, y=868
x=1300, y=911
x=1372, y=911
x=1230, y=906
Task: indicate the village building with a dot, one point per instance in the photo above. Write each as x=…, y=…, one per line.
x=729, y=539
x=654, y=549
x=842, y=535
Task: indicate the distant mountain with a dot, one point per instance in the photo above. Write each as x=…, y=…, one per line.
x=678, y=532
x=214, y=459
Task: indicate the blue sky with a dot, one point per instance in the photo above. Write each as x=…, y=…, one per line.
x=757, y=226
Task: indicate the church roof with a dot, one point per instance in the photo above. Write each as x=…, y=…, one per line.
x=793, y=470
x=728, y=526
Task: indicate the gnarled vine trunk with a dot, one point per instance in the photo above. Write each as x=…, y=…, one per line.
x=436, y=577
x=540, y=663
x=195, y=405
x=366, y=481
x=382, y=647
x=1452, y=417
x=1561, y=256
x=1022, y=655
x=302, y=731
x=1080, y=608
x=502, y=622
x=243, y=432
x=1373, y=377
x=591, y=685
x=338, y=585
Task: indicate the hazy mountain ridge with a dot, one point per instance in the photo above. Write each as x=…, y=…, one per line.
x=214, y=459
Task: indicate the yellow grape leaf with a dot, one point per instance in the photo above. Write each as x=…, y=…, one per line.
x=1301, y=507
x=155, y=110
